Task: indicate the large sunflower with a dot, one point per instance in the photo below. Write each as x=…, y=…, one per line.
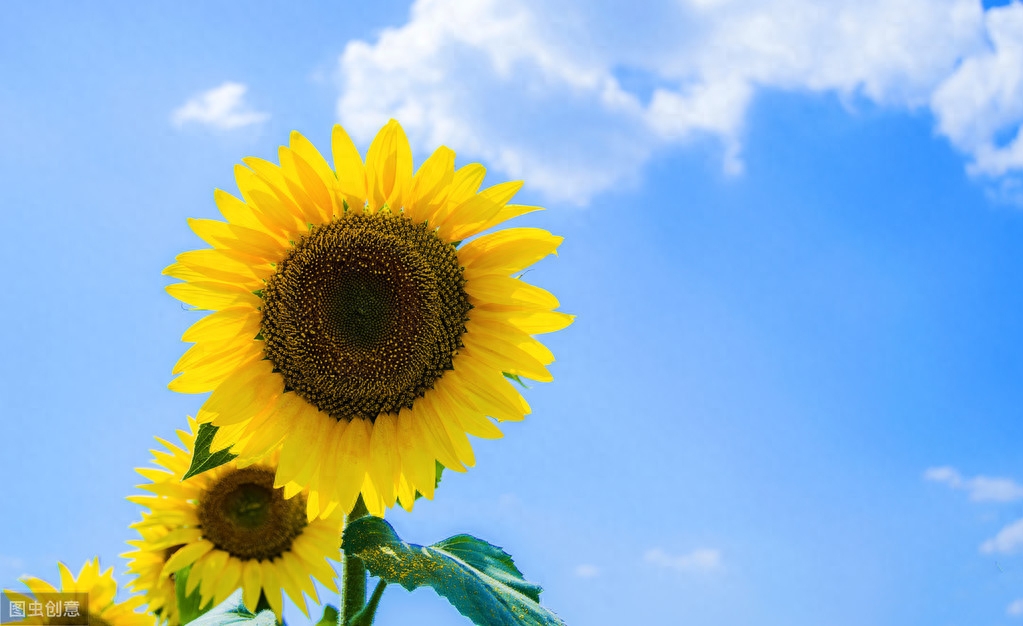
x=350, y=324
x=233, y=528
x=101, y=589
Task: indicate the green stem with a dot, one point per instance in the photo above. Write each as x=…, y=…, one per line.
x=353, y=575
x=368, y=612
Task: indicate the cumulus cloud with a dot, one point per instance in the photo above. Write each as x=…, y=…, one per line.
x=1008, y=540
x=578, y=100
x=980, y=106
x=699, y=560
x=980, y=488
x=222, y=107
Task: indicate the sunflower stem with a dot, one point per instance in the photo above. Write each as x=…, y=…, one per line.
x=353, y=574
x=368, y=612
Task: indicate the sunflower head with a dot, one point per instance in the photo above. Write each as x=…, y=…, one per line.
x=360, y=320
x=232, y=528
x=101, y=589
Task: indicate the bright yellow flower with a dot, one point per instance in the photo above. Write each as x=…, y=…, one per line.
x=101, y=589
x=351, y=326
x=233, y=528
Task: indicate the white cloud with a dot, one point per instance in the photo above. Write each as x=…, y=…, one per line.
x=221, y=107
x=982, y=100
x=587, y=571
x=577, y=100
x=980, y=488
x=1007, y=541
x=1015, y=609
x=699, y=560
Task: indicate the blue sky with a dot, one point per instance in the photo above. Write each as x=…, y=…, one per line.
x=793, y=239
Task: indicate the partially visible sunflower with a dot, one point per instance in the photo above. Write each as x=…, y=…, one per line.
x=352, y=326
x=101, y=588
x=233, y=528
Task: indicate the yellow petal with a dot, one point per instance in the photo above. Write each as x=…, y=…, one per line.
x=504, y=293
x=406, y=493
x=430, y=186
x=220, y=265
x=228, y=581
x=464, y=184
x=506, y=213
x=293, y=565
x=215, y=563
x=251, y=584
x=482, y=385
x=445, y=412
x=213, y=296
x=384, y=464
x=331, y=461
x=388, y=167
x=245, y=393
x=530, y=322
x=252, y=242
x=67, y=581
x=507, y=251
x=415, y=463
x=306, y=435
x=272, y=587
x=431, y=428
x=351, y=173
x=38, y=585
x=467, y=219
x=504, y=357
x=196, y=574
x=185, y=556
x=351, y=459
x=237, y=212
x=301, y=173
x=264, y=187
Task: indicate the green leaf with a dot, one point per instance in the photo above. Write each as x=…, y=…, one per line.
x=329, y=616
x=479, y=579
x=188, y=605
x=232, y=612
x=202, y=460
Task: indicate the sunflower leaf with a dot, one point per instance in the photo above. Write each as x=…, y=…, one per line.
x=232, y=612
x=202, y=459
x=189, y=606
x=477, y=578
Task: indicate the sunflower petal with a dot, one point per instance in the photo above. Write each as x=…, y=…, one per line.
x=351, y=173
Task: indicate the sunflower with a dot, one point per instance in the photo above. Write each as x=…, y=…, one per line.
x=233, y=528
x=353, y=327
x=101, y=589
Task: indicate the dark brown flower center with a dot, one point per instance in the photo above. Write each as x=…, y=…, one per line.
x=365, y=314
x=242, y=514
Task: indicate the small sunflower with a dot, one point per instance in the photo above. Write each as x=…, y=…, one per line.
x=101, y=589
x=235, y=530
x=351, y=325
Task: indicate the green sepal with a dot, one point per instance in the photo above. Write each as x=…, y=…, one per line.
x=202, y=459
x=479, y=579
x=516, y=378
x=189, y=606
x=329, y=616
x=232, y=612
